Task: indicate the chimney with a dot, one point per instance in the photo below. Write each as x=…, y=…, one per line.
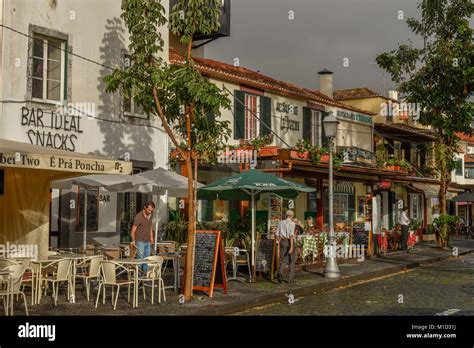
x=393, y=95
x=325, y=82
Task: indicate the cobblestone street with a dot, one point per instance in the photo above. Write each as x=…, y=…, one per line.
x=443, y=288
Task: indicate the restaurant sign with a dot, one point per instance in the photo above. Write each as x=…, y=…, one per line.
x=354, y=116
x=286, y=122
x=64, y=163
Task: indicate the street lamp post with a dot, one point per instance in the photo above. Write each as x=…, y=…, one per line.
x=332, y=270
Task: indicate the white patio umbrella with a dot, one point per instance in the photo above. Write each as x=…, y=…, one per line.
x=165, y=182
x=109, y=182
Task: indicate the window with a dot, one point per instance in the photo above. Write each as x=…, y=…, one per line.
x=459, y=167
x=316, y=131
x=130, y=108
x=252, y=107
x=92, y=210
x=469, y=173
x=48, y=69
x=416, y=206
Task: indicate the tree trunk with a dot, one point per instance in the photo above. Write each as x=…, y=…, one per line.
x=442, y=237
x=188, y=282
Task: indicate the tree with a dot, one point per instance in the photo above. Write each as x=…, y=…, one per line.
x=440, y=78
x=179, y=96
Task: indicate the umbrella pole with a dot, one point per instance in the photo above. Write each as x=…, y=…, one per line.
x=253, y=230
x=156, y=228
x=84, y=240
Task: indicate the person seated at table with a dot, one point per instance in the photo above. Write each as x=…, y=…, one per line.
x=309, y=226
x=142, y=233
x=299, y=230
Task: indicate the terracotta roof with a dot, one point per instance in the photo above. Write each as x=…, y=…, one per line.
x=355, y=93
x=466, y=137
x=468, y=158
x=244, y=76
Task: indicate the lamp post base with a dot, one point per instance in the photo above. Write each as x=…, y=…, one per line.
x=331, y=270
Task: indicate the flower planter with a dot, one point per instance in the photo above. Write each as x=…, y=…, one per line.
x=394, y=168
x=325, y=158
x=268, y=151
x=429, y=237
x=299, y=155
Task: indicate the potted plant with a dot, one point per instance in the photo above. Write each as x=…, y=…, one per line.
x=302, y=149
x=392, y=164
x=381, y=155
x=405, y=165
x=429, y=234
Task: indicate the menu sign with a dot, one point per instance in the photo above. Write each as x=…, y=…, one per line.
x=209, y=269
x=265, y=255
x=360, y=235
x=274, y=214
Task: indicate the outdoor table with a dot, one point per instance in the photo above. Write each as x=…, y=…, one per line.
x=136, y=263
x=309, y=245
x=74, y=258
x=175, y=256
x=10, y=297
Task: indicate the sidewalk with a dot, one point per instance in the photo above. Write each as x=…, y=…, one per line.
x=242, y=296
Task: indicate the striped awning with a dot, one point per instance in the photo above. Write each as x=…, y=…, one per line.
x=344, y=187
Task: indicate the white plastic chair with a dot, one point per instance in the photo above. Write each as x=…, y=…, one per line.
x=154, y=276
x=91, y=265
x=61, y=272
x=109, y=277
x=14, y=282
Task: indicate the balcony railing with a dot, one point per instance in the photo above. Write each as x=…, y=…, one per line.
x=355, y=154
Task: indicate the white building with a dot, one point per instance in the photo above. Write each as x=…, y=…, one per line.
x=54, y=56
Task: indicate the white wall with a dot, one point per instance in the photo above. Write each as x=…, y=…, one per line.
x=99, y=35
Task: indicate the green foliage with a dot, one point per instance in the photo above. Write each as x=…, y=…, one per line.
x=381, y=155
x=256, y=143
x=189, y=17
x=440, y=75
x=177, y=85
x=315, y=153
x=446, y=220
x=414, y=224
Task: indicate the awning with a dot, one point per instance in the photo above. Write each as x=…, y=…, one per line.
x=15, y=154
x=430, y=190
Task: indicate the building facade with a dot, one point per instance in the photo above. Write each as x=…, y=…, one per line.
x=54, y=57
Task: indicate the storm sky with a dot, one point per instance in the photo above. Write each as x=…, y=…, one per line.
x=321, y=35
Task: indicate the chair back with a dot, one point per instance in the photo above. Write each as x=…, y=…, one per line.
x=167, y=247
x=155, y=264
x=108, y=272
x=94, y=267
x=16, y=274
x=6, y=263
x=63, y=269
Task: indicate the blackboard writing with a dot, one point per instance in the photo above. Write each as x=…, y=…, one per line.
x=359, y=235
x=205, y=249
x=209, y=269
x=265, y=255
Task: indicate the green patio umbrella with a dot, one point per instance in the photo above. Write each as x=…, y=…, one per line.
x=248, y=186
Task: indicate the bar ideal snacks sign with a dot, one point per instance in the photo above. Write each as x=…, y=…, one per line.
x=64, y=163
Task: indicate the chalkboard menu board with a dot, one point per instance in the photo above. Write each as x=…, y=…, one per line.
x=265, y=255
x=359, y=234
x=209, y=270
x=92, y=210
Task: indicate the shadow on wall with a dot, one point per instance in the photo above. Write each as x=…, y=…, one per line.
x=122, y=135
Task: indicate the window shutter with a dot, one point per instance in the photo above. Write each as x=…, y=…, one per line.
x=265, y=116
x=239, y=114
x=307, y=127
x=324, y=139
x=351, y=208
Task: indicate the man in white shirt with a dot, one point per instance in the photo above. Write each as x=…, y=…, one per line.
x=285, y=236
x=404, y=222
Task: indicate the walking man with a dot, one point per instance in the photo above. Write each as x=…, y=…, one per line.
x=285, y=236
x=404, y=222
x=142, y=232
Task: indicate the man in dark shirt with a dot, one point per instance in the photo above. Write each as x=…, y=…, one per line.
x=142, y=232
